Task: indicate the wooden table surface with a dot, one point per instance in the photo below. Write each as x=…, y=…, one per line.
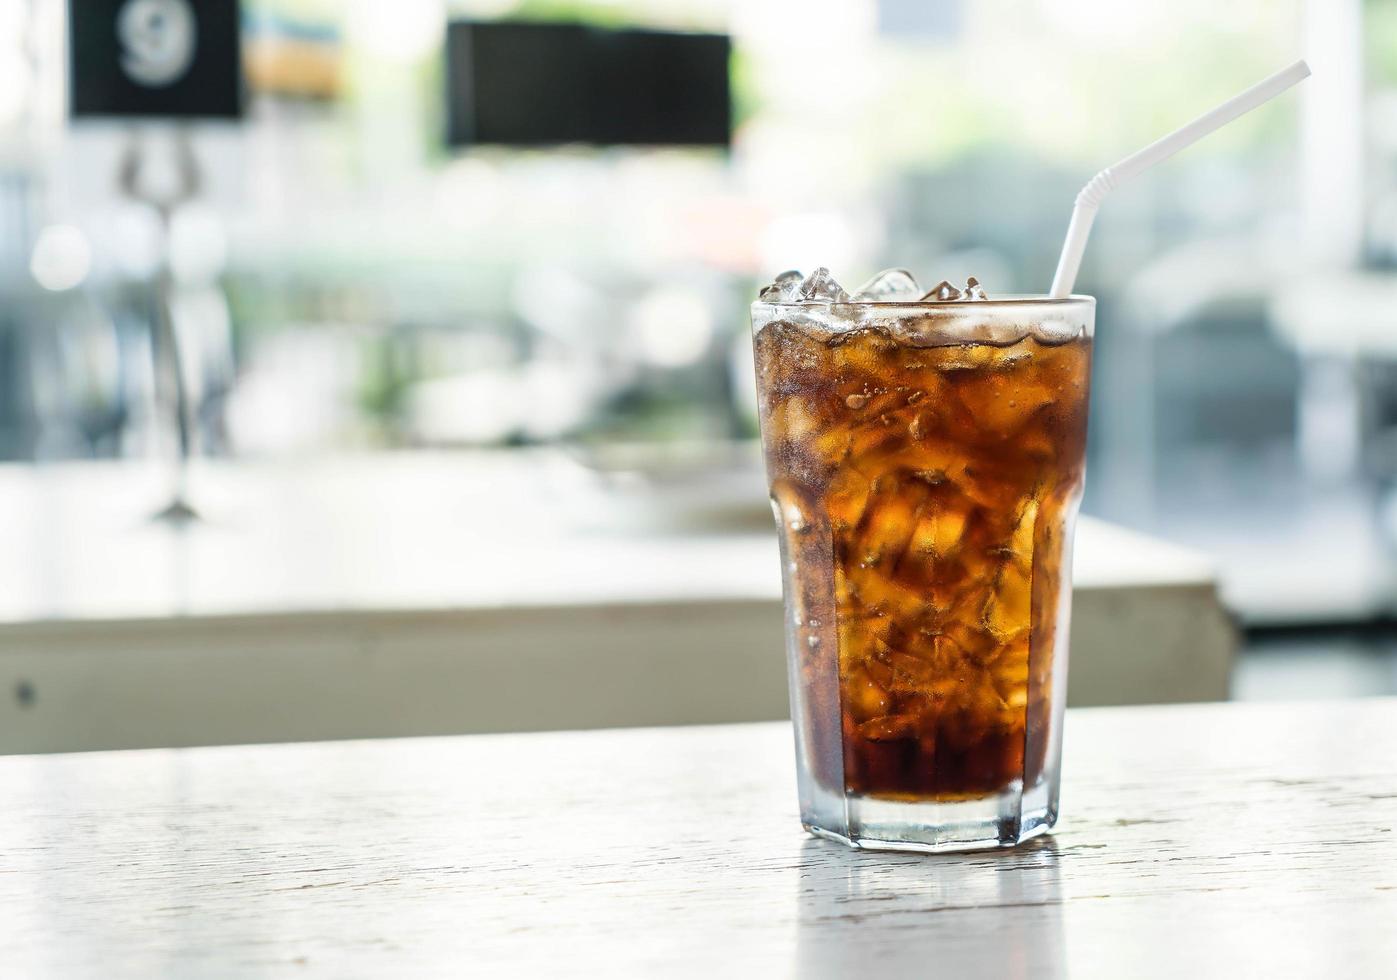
x=1198, y=841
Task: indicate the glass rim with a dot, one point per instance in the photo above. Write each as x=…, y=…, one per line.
x=1011, y=300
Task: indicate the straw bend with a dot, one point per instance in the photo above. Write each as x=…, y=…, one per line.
x=1097, y=188
x=1091, y=196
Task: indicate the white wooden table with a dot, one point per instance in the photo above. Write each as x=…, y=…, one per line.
x=1198, y=841
x=419, y=594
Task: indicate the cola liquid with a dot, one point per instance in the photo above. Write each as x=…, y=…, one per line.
x=925, y=489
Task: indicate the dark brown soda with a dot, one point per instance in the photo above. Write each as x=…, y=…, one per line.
x=924, y=494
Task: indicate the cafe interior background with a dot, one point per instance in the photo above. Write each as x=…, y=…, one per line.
x=424, y=377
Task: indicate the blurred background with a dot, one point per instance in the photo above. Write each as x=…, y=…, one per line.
x=334, y=283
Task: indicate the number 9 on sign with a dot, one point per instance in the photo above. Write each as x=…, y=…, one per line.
x=157, y=39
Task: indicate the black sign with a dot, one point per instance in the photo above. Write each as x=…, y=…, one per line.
x=529, y=84
x=155, y=58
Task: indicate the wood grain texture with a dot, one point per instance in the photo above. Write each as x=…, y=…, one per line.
x=1221, y=840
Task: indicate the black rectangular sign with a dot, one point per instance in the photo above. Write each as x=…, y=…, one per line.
x=155, y=58
x=529, y=84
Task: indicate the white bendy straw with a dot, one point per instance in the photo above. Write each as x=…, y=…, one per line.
x=1084, y=212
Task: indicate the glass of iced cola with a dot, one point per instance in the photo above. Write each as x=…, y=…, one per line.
x=925, y=456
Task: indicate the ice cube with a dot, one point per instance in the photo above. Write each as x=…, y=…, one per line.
x=1008, y=607
x=820, y=287
x=944, y=292
x=889, y=286
x=1000, y=415
x=1007, y=611
x=1053, y=331
x=939, y=531
x=783, y=289
x=846, y=497
x=865, y=697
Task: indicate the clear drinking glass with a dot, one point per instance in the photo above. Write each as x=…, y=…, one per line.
x=925, y=463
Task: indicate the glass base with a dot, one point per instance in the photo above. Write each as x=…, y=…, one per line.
x=1005, y=819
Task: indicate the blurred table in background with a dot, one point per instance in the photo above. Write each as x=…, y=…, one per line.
x=409, y=594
